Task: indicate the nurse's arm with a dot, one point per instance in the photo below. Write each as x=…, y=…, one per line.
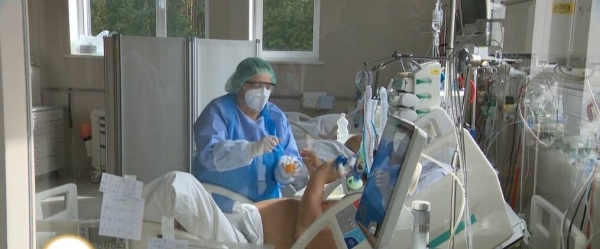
x=215, y=152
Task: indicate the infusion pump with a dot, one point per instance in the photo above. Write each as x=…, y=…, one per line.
x=90, y=231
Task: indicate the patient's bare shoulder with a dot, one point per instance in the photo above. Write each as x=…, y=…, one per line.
x=279, y=221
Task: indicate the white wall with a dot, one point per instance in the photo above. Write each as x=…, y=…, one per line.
x=356, y=31
x=15, y=197
x=49, y=28
x=351, y=32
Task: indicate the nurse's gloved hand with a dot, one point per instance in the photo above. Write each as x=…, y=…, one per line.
x=288, y=169
x=263, y=146
x=382, y=181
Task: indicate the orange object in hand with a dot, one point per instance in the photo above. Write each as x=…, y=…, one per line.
x=289, y=168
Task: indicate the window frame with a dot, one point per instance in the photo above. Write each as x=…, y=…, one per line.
x=80, y=21
x=285, y=56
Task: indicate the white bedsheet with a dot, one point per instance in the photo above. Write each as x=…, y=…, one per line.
x=323, y=125
x=182, y=196
x=325, y=149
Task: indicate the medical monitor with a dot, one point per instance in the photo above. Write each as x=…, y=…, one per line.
x=473, y=10
x=389, y=180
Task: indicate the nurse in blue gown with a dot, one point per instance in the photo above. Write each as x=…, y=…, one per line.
x=243, y=140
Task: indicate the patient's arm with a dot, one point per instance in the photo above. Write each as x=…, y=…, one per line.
x=312, y=206
x=284, y=220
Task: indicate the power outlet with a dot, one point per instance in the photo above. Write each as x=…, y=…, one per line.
x=426, y=27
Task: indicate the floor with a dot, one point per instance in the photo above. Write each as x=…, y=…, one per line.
x=89, y=198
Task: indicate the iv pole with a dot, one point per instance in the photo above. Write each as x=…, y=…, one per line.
x=450, y=76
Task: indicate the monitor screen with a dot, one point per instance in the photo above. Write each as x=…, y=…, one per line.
x=473, y=10
x=382, y=179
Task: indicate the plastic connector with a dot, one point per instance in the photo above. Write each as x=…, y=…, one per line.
x=341, y=160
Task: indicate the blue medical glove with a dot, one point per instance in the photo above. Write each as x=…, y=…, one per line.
x=283, y=177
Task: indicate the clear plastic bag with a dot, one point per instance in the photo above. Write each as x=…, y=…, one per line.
x=91, y=45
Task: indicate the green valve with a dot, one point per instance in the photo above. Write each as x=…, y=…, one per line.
x=424, y=81
x=424, y=96
x=422, y=111
x=354, y=184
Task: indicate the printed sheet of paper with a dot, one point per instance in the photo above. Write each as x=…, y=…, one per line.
x=168, y=227
x=111, y=184
x=121, y=217
x=155, y=243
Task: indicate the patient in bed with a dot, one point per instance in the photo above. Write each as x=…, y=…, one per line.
x=277, y=222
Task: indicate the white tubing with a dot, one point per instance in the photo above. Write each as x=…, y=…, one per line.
x=462, y=188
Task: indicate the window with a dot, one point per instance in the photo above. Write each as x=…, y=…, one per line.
x=288, y=29
x=186, y=18
x=176, y=18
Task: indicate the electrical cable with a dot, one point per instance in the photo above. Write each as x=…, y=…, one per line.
x=573, y=219
x=69, y=110
x=496, y=135
x=456, y=109
x=513, y=168
x=510, y=166
x=564, y=218
x=589, y=241
x=584, y=210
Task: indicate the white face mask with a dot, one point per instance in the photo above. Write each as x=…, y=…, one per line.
x=256, y=99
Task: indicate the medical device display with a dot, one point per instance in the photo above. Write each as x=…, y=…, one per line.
x=387, y=184
x=90, y=231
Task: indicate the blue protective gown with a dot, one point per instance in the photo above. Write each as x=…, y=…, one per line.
x=222, y=133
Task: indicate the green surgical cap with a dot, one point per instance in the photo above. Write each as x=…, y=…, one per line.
x=247, y=69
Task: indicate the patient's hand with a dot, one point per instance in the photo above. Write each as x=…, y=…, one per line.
x=311, y=160
x=326, y=173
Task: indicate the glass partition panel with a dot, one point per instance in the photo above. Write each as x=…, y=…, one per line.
x=507, y=92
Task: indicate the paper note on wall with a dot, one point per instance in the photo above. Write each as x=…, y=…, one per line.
x=154, y=243
x=121, y=217
x=126, y=187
